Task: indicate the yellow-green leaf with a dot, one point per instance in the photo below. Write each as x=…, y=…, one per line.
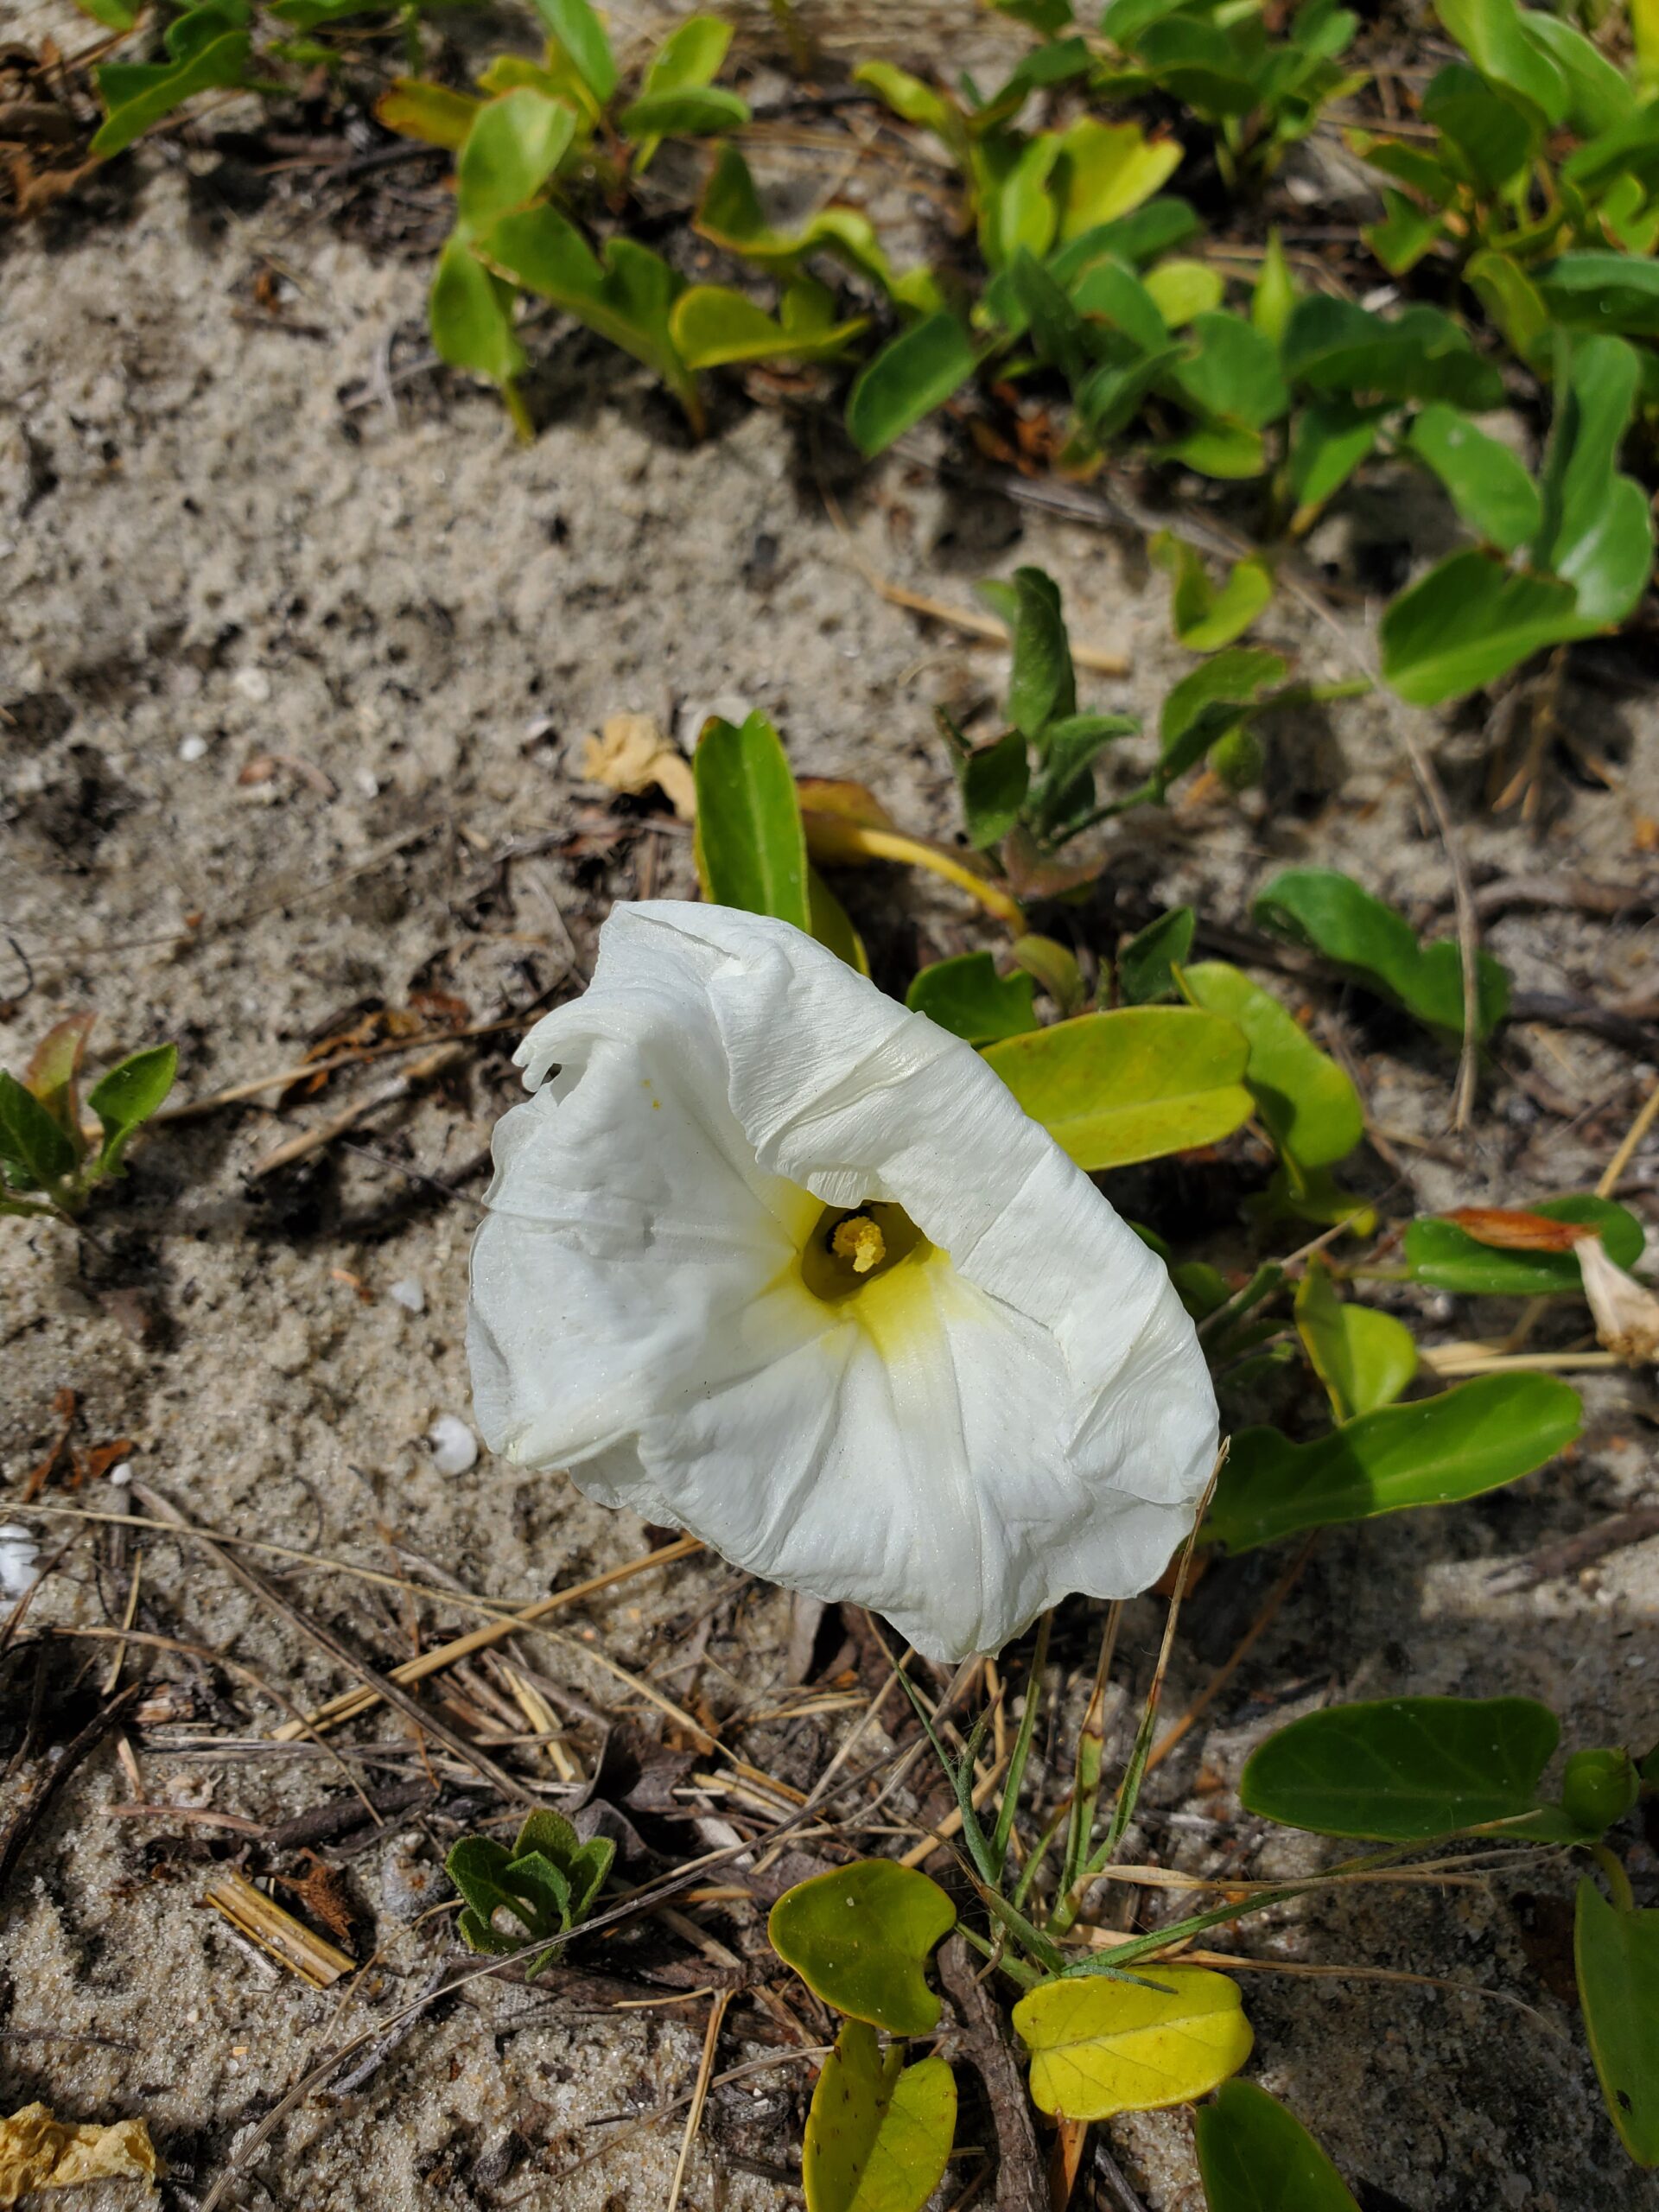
x=1116, y=1088
x=1106, y=168
x=1364, y=1358
x=860, y=1937
x=879, y=2131
x=1099, y=2047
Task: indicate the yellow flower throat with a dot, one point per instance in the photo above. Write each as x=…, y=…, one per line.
x=853, y=1249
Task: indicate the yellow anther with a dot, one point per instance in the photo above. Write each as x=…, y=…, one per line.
x=858, y=1241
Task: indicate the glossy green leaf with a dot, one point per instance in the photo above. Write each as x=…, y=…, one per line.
x=1146, y=966
x=626, y=297
x=1468, y=621
x=1489, y=485
x=546, y=1885
x=582, y=35
x=515, y=144
x=1255, y=2156
x=1099, y=2047
x=1307, y=1104
x=1334, y=346
x=911, y=376
x=1513, y=302
x=1442, y=1254
x=994, y=780
x=435, y=114
x=690, y=55
x=1104, y=169
x=1617, y=1953
x=1598, y=1788
x=1403, y=1770
x=1473, y=1438
x=1233, y=374
x=33, y=1150
x=1490, y=33
x=1276, y=292
x=1042, y=687
x=1328, y=912
x=114, y=15
x=1598, y=535
x=1232, y=452
x=967, y=997
x=1205, y=617
x=1364, y=1358
x=697, y=112
x=470, y=314
x=878, y=2133
x=1055, y=968
x=1329, y=439
x=751, y=847
x=1114, y=1088
x=1065, y=795
x=712, y=327
x=208, y=48
x=860, y=1937
x=128, y=1096
x=1109, y=291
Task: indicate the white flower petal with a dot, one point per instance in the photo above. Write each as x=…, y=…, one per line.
x=1042, y=1420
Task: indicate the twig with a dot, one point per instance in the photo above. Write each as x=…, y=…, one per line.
x=388, y=1094
x=352, y=1702
x=1621, y=1159
x=699, y=2094
x=337, y=1647
x=1241, y=1651
x=1570, y=1552
x=1021, y=2183
x=190, y=1109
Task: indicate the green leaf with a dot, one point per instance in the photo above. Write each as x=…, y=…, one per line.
x=731, y=216
x=1255, y=2156
x=1442, y=1254
x=1055, y=967
x=713, y=326
x=1328, y=912
x=627, y=297
x=751, y=847
x=691, y=55
x=1616, y=1953
x=470, y=315
x=435, y=114
x=127, y=1096
x=580, y=32
x=1233, y=376
x=994, y=780
x=1602, y=292
x=859, y=1938
x=1333, y=346
x=1468, y=621
x=1489, y=485
x=1406, y=234
x=1182, y=290
x=912, y=101
x=1491, y=32
x=1114, y=1088
x=1364, y=1358
x=208, y=48
x=911, y=376
x=1042, y=687
x=1598, y=1788
x=831, y=925
x=33, y=1150
x=1473, y=1438
x=1109, y=290
x=1404, y=1768
x=1099, y=2047
x=114, y=15
x=878, y=2133
x=1495, y=135
x=1145, y=965
x=1329, y=439
x=515, y=144
x=1104, y=170
x=1598, y=535
x=1275, y=293
x=1065, y=796
x=1205, y=706
x=1309, y=1107
x=967, y=997
x=54, y=1072
x=1512, y=300
x=697, y=112
x=1202, y=618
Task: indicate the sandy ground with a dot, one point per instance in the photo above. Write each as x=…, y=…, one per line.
x=300, y=663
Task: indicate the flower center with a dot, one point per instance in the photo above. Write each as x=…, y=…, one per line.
x=851, y=1246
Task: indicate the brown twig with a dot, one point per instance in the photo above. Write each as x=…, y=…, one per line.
x=79, y=1748
x=1021, y=2180
x=337, y=1647
x=699, y=2094
x=435, y=1064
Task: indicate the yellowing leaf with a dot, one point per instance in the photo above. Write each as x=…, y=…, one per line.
x=40, y=2151
x=1099, y=2047
x=1134, y=1085
x=630, y=754
x=879, y=2132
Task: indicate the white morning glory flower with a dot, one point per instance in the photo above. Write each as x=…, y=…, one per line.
x=776, y=1262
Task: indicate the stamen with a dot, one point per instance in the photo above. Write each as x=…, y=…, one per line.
x=859, y=1241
